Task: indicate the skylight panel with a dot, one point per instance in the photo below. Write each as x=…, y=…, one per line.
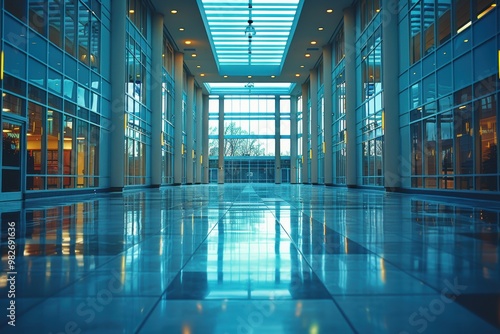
x=257, y=35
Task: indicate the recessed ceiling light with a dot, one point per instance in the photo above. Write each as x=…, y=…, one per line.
x=181, y=29
x=249, y=77
x=321, y=28
x=329, y=10
x=297, y=74
x=173, y=11
x=187, y=42
x=202, y=74
x=314, y=42
x=273, y=76
x=198, y=66
x=307, y=55
x=301, y=66
x=131, y=11
x=193, y=55
x=225, y=76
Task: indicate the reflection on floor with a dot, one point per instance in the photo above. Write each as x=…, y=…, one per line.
x=251, y=258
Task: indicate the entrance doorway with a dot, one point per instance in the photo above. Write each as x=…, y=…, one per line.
x=12, y=160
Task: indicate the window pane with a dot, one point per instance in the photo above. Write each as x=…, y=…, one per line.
x=16, y=8
x=55, y=19
x=463, y=139
x=53, y=136
x=443, y=21
x=445, y=153
x=415, y=31
x=462, y=15
x=70, y=27
x=38, y=15
x=428, y=25
x=430, y=133
x=13, y=104
x=487, y=151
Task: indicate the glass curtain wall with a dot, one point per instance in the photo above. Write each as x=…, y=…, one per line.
x=137, y=95
x=300, y=154
x=53, y=83
x=370, y=106
x=285, y=137
x=168, y=112
x=249, y=137
x=453, y=105
x=321, y=127
x=338, y=119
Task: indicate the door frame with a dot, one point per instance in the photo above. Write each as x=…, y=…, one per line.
x=18, y=195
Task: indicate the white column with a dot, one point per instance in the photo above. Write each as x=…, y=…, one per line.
x=118, y=119
x=206, y=160
x=189, y=130
x=305, y=133
x=199, y=135
x=313, y=81
x=277, y=140
x=293, y=139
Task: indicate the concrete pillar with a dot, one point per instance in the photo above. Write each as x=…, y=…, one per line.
x=178, y=77
x=205, y=140
x=350, y=94
x=220, y=165
x=189, y=130
x=305, y=134
x=328, y=114
x=390, y=117
x=118, y=117
x=277, y=140
x=199, y=135
x=313, y=81
x=156, y=99
x=293, y=139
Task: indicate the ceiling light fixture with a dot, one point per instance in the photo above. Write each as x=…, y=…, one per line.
x=307, y=55
x=313, y=42
x=329, y=10
x=181, y=29
x=187, y=42
x=250, y=31
x=321, y=28
x=173, y=11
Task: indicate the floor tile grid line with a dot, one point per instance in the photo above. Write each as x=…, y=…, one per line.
x=55, y=293
x=389, y=262
x=163, y=294
x=351, y=325
x=409, y=273
x=79, y=279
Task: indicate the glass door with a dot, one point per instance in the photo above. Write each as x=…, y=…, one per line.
x=12, y=161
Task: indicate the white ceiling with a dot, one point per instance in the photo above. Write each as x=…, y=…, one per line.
x=312, y=16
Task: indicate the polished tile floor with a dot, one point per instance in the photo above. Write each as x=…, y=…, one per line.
x=251, y=258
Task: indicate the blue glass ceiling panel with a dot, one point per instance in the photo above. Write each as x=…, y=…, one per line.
x=250, y=36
